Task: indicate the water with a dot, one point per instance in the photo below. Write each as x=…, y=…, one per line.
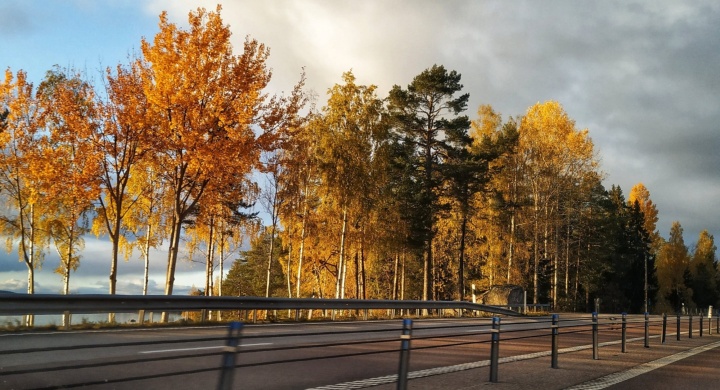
x=76, y=319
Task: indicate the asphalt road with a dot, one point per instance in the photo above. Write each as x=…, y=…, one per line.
x=280, y=356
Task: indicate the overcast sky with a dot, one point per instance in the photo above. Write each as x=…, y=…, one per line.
x=642, y=76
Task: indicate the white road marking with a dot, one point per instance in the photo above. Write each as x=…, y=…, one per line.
x=201, y=348
x=361, y=384
x=622, y=376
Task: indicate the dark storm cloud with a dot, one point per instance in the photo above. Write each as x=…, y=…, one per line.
x=642, y=76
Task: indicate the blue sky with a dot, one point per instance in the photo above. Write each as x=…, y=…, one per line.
x=642, y=76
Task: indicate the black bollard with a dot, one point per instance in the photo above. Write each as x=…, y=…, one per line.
x=228, y=360
x=495, y=349
x=595, y=335
x=624, y=333
x=404, y=354
x=647, y=330
x=664, y=327
x=554, y=356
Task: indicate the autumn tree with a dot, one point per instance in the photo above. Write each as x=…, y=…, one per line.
x=121, y=139
x=212, y=117
x=300, y=178
x=272, y=202
x=641, y=195
x=22, y=223
x=555, y=157
x=425, y=116
x=672, y=264
x=69, y=163
x=703, y=271
x=349, y=127
x=472, y=165
x=144, y=221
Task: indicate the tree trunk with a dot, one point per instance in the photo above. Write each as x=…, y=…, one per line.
x=146, y=255
x=114, y=238
x=357, y=275
x=209, y=266
x=536, y=251
x=172, y=253
x=66, y=285
x=362, y=266
x=172, y=258
x=402, y=278
x=511, y=248
x=273, y=228
x=29, y=257
x=461, y=263
x=340, y=283
x=302, y=247
x=269, y=263
x=222, y=266
x=287, y=272
x=395, y=278
x=567, y=261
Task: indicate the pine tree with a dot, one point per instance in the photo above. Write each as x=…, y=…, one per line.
x=426, y=117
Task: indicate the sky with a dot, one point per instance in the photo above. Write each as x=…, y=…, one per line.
x=642, y=76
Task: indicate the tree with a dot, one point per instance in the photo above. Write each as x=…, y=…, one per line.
x=247, y=274
x=703, y=270
x=555, y=156
x=212, y=116
x=272, y=203
x=23, y=222
x=121, y=139
x=672, y=265
x=350, y=128
x=69, y=164
x=471, y=166
x=300, y=180
x=144, y=219
x=640, y=194
x=425, y=116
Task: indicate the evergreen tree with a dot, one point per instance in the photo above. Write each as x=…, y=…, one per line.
x=703, y=272
x=426, y=117
x=247, y=274
x=672, y=272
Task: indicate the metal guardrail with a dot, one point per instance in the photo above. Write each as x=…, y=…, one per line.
x=22, y=304
x=453, y=335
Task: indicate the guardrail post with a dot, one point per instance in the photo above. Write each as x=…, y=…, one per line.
x=647, y=330
x=701, y=325
x=678, y=327
x=623, y=343
x=554, y=356
x=710, y=321
x=595, y=335
x=404, y=354
x=664, y=327
x=495, y=349
x=228, y=360
x=690, y=327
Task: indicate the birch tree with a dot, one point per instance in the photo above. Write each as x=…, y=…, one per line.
x=213, y=118
x=22, y=222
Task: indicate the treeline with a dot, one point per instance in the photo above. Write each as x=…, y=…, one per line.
x=396, y=197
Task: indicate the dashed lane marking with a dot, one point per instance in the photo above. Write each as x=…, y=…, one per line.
x=200, y=348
